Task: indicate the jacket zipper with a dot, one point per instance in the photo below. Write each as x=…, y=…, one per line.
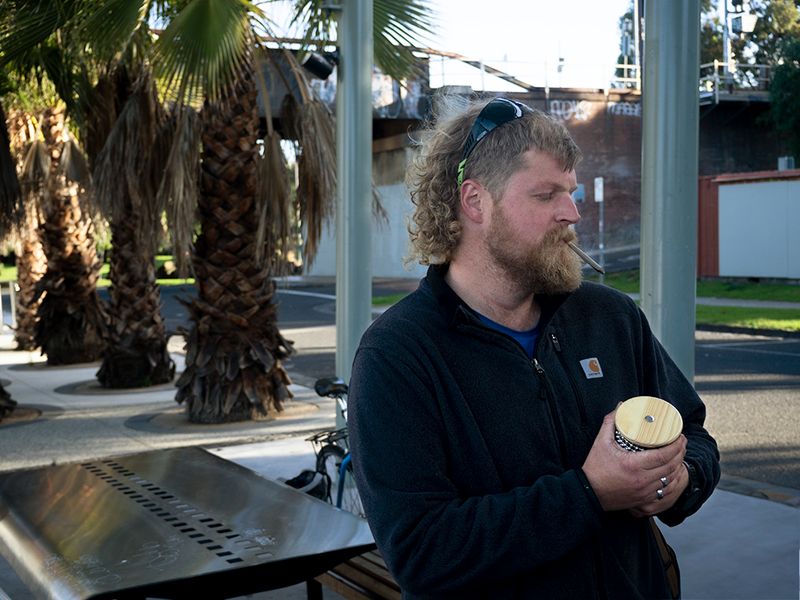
x=597, y=568
x=578, y=397
x=549, y=396
x=546, y=389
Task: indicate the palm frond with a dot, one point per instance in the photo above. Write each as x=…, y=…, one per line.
x=397, y=26
x=378, y=211
x=102, y=108
x=55, y=64
x=36, y=166
x=179, y=188
x=274, y=201
x=273, y=194
x=316, y=190
x=124, y=170
x=204, y=49
x=33, y=173
x=108, y=26
x=33, y=166
x=74, y=164
x=24, y=24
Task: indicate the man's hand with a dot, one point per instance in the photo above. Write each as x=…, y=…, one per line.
x=624, y=480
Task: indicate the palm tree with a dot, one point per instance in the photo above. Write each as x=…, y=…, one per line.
x=233, y=364
x=30, y=259
x=10, y=197
x=136, y=353
x=10, y=193
x=234, y=349
x=71, y=319
x=127, y=172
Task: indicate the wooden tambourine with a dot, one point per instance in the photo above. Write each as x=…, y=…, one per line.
x=645, y=422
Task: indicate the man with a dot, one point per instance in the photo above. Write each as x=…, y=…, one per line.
x=482, y=440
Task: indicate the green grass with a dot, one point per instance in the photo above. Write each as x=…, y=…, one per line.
x=782, y=319
x=624, y=281
x=628, y=282
x=731, y=316
x=9, y=273
x=748, y=290
x=387, y=300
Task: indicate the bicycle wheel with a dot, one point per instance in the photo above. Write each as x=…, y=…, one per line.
x=329, y=462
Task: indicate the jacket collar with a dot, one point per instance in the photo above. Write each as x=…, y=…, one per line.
x=455, y=309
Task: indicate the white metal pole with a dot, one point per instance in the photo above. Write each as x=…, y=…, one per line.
x=354, y=166
x=726, y=44
x=637, y=24
x=670, y=123
x=599, y=198
x=601, y=227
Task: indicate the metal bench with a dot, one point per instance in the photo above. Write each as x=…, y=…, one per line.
x=363, y=577
x=178, y=523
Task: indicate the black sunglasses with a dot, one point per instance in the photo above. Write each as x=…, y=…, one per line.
x=498, y=112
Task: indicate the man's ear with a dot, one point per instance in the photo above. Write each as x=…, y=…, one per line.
x=473, y=195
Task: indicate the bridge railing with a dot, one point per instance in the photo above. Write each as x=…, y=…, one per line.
x=740, y=77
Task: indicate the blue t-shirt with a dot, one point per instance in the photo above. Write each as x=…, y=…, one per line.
x=527, y=339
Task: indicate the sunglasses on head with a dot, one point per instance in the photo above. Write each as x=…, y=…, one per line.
x=498, y=112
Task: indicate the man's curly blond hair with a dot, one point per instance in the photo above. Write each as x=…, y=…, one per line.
x=432, y=177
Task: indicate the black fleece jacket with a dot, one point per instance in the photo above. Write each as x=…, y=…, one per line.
x=468, y=454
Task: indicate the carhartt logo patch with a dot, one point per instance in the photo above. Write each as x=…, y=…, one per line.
x=592, y=368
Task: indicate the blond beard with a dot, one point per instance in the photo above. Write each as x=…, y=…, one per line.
x=549, y=268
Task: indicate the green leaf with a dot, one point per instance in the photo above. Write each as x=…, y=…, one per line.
x=204, y=48
x=398, y=26
x=109, y=25
x=24, y=24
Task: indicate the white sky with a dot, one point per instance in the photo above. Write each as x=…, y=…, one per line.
x=525, y=38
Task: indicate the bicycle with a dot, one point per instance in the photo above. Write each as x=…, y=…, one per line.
x=333, y=463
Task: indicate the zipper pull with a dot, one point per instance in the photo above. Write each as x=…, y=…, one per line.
x=538, y=367
x=554, y=339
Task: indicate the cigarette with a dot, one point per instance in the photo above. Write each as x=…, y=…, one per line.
x=586, y=258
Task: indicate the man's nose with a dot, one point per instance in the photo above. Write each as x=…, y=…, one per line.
x=568, y=210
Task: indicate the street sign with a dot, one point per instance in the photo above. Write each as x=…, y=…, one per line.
x=598, y=189
x=579, y=195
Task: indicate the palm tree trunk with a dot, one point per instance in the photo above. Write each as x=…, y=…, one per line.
x=7, y=405
x=31, y=267
x=30, y=258
x=234, y=349
x=137, y=353
x=72, y=318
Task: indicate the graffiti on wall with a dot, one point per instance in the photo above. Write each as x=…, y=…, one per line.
x=625, y=109
x=567, y=110
x=390, y=99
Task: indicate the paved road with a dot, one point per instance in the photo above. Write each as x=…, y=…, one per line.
x=751, y=384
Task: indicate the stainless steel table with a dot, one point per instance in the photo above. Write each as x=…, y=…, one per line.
x=178, y=523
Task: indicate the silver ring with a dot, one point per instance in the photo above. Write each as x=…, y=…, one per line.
x=660, y=494
x=664, y=481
